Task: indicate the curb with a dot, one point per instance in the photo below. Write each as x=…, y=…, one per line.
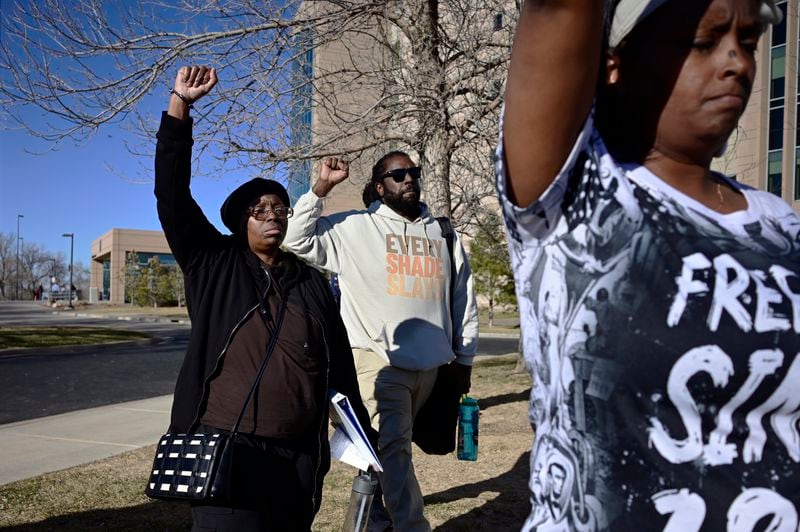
x=498, y=335
x=147, y=319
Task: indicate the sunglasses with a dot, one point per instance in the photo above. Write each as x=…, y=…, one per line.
x=399, y=175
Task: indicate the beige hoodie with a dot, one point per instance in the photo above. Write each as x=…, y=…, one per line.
x=394, y=276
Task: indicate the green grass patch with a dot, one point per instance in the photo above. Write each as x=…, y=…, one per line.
x=23, y=337
x=504, y=321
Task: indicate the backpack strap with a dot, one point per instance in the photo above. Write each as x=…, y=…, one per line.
x=449, y=236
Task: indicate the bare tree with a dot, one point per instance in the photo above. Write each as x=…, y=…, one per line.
x=81, y=278
x=8, y=265
x=433, y=72
x=36, y=266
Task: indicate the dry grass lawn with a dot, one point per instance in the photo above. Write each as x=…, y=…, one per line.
x=488, y=495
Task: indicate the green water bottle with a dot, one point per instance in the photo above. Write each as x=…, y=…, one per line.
x=468, y=429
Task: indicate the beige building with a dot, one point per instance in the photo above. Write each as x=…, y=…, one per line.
x=109, y=254
x=332, y=70
x=765, y=149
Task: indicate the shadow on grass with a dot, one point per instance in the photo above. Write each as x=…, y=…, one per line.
x=155, y=516
x=497, y=400
x=506, y=512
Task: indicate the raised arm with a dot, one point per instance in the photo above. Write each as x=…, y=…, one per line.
x=311, y=236
x=191, y=84
x=185, y=226
x=555, y=60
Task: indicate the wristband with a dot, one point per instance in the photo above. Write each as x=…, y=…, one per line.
x=183, y=98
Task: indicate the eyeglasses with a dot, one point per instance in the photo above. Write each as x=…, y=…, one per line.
x=261, y=213
x=399, y=175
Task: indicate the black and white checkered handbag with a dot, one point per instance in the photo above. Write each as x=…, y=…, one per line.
x=198, y=467
x=185, y=467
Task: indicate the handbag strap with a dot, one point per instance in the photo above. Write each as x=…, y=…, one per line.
x=264, y=312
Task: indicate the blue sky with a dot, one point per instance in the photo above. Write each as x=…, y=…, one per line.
x=91, y=186
x=73, y=190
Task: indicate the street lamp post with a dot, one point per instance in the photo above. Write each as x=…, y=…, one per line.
x=16, y=285
x=71, y=245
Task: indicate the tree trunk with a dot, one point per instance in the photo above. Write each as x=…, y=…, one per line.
x=436, y=184
x=429, y=87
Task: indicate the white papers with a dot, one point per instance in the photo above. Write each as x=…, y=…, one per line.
x=349, y=442
x=343, y=450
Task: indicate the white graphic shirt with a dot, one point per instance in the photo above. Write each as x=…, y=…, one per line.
x=664, y=342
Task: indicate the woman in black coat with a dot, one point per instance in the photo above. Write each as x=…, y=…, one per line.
x=243, y=292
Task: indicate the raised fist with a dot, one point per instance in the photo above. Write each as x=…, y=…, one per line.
x=334, y=170
x=194, y=82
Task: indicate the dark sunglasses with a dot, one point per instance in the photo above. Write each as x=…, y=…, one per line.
x=399, y=175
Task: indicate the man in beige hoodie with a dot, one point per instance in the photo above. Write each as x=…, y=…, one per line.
x=394, y=273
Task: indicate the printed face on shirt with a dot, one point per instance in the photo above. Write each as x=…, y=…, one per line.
x=266, y=236
x=402, y=197
x=686, y=73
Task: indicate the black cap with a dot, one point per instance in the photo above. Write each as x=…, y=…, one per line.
x=234, y=206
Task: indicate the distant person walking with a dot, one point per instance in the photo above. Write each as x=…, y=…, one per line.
x=242, y=291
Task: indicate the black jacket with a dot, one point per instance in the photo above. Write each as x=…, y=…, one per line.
x=223, y=281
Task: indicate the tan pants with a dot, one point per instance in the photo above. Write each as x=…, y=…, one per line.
x=393, y=396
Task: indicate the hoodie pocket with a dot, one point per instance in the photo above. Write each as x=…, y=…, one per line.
x=415, y=344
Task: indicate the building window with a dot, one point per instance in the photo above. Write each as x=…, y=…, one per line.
x=777, y=102
x=106, y=279
x=774, y=174
x=775, y=138
x=498, y=21
x=779, y=30
x=165, y=259
x=299, y=178
x=797, y=129
x=777, y=72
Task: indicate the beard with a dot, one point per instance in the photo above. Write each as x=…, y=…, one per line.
x=406, y=206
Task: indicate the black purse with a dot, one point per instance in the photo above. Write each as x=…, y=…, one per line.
x=434, y=429
x=199, y=467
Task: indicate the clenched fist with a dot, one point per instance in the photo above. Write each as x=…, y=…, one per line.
x=332, y=172
x=194, y=82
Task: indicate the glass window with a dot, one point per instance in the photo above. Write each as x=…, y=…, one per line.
x=106, y=279
x=797, y=173
x=774, y=173
x=797, y=131
x=777, y=72
x=779, y=30
x=165, y=259
x=775, y=141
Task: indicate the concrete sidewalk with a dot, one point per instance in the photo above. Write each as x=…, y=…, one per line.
x=47, y=444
